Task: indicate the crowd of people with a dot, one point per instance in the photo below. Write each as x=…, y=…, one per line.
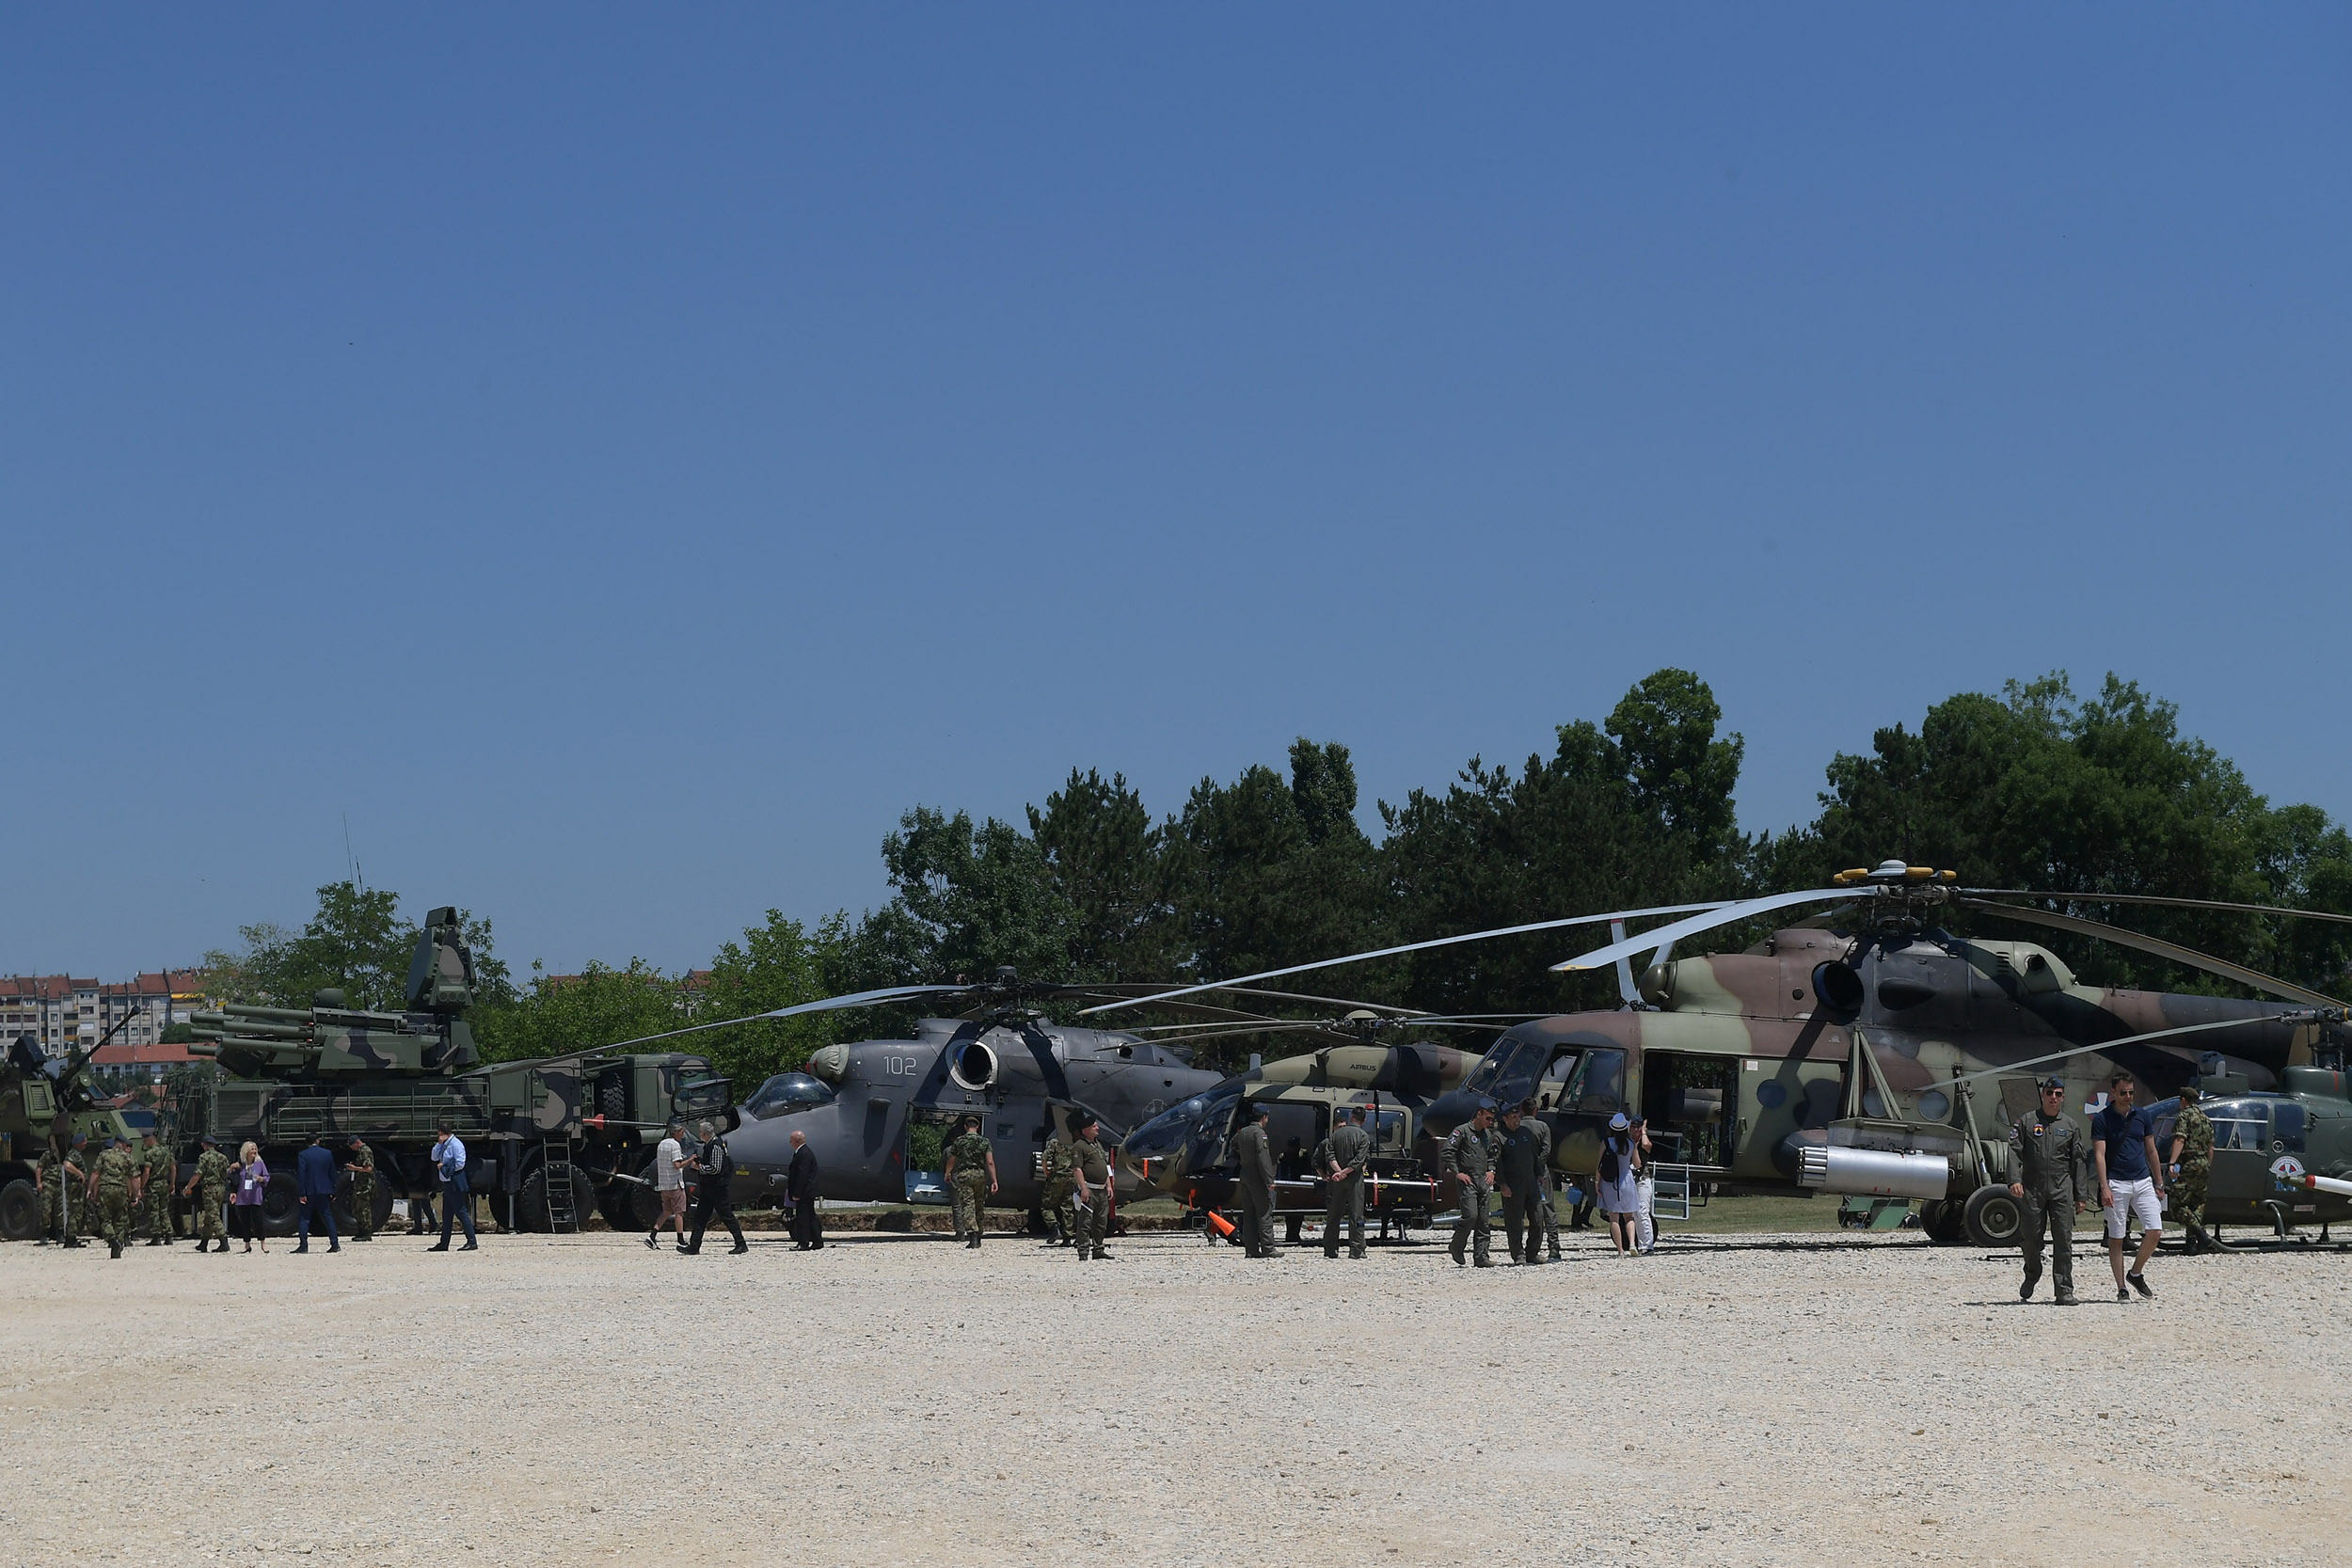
x=1500, y=1161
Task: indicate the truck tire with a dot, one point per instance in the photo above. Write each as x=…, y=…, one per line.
x=1994, y=1218
x=531, y=1204
x=282, y=1211
x=20, y=1210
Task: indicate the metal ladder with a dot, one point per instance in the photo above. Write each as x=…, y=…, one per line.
x=563, y=1218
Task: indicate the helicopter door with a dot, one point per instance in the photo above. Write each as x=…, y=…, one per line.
x=1551, y=1084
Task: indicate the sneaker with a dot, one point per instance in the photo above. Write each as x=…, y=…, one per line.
x=652, y=1246
x=2122, y=1294
x=2140, y=1284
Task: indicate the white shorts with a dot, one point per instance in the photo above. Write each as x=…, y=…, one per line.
x=2133, y=1200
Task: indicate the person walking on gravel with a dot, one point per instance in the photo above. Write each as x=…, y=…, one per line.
x=449, y=1160
x=714, y=1194
x=669, y=1184
x=1091, y=1165
x=1547, y=1207
x=156, y=1170
x=1617, y=1178
x=2191, y=1168
x=359, y=1164
x=1519, y=1181
x=210, y=1187
x=1645, y=1189
x=971, y=1174
x=2046, y=1160
x=252, y=1186
x=1470, y=1161
x=2130, y=1182
x=799, y=1187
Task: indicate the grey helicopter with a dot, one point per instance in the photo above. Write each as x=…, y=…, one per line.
x=999, y=1057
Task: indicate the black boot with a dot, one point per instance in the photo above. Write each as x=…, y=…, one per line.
x=114, y=1249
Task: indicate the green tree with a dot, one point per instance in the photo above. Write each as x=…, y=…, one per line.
x=965, y=900
x=1664, y=729
x=1104, y=858
x=2038, y=788
x=599, y=1005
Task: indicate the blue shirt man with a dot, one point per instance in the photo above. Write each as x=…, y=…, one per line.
x=2126, y=1134
x=314, y=1187
x=449, y=1157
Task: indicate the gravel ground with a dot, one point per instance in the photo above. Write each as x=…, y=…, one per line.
x=892, y=1398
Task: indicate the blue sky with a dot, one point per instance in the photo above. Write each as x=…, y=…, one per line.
x=621, y=459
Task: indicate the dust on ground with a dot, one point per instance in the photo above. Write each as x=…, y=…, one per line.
x=900, y=1399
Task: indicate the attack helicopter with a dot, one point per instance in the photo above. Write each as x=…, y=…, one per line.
x=999, y=1058
x=1866, y=1050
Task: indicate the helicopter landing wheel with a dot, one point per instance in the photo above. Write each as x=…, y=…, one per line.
x=1993, y=1218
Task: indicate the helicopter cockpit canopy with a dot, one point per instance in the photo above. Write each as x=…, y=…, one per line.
x=786, y=1093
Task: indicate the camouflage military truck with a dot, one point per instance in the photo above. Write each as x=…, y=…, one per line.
x=43, y=1101
x=546, y=1139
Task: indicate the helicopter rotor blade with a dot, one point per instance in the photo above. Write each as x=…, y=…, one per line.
x=2149, y=898
x=1716, y=915
x=1414, y=947
x=2174, y=951
x=2011, y=1068
x=831, y=1004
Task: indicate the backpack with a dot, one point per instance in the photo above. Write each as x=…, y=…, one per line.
x=1609, y=1166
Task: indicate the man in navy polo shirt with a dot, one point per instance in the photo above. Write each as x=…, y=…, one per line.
x=2130, y=1182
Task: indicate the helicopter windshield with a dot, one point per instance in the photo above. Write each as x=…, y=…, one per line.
x=1500, y=1058
x=1175, y=1129
x=701, y=1096
x=784, y=1093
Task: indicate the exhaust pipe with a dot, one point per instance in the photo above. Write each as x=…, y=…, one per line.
x=1873, y=1173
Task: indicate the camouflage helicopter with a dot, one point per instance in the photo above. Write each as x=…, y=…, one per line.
x=2280, y=1157
x=1002, y=1060
x=1852, y=1061
x=1185, y=1151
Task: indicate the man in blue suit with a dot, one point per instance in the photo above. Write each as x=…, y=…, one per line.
x=314, y=1185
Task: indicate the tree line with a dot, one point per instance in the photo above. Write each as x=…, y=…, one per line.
x=2036, y=788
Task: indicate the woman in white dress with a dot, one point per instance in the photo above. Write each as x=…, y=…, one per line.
x=1619, y=1183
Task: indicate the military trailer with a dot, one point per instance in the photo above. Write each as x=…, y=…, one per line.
x=546, y=1139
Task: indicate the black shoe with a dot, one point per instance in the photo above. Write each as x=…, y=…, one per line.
x=2138, y=1283
x=1331, y=1252
x=1358, y=1253
x=114, y=1249
x=154, y=1240
x=437, y=1246
x=2122, y=1294
x=1459, y=1261
x=303, y=1248
x=470, y=1246
x=2066, y=1298
x=1485, y=1262
x=738, y=1249
x=167, y=1241
x=334, y=1246
x=972, y=1243
x=651, y=1244
x=2024, y=1292
x=1100, y=1257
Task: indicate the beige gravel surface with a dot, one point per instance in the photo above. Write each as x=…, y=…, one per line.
x=1798, y=1401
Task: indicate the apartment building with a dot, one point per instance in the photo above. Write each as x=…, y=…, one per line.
x=64, y=1013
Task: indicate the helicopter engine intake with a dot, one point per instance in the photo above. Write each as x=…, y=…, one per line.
x=1872, y=1172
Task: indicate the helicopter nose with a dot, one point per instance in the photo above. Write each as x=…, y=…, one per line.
x=1449, y=1111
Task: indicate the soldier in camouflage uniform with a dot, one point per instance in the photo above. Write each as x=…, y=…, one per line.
x=52, y=1185
x=1091, y=1164
x=1254, y=1156
x=362, y=1167
x=118, y=1172
x=1546, y=1209
x=1062, y=1181
x=972, y=1176
x=210, y=1187
x=2192, y=1166
x=156, y=1170
x=2048, y=1168
x=74, y=1191
x=1469, y=1161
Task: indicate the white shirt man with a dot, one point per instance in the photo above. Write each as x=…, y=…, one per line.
x=669, y=1162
